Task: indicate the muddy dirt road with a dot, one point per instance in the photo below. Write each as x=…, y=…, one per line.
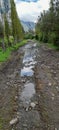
x=29, y=89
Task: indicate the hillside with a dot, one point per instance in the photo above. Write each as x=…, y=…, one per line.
x=28, y=25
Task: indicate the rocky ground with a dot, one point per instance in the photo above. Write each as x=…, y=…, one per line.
x=29, y=89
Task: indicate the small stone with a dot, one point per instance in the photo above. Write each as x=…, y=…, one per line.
x=52, y=98
x=30, y=108
x=13, y=121
x=55, y=128
x=53, y=94
x=23, y=80
x=39, y=95
x=8, y=83
x=49, y=84
x=15, y=108
x=16, y=97
x=26, y=109
x=24, y=125
x=12, y=129
x=32, y=104
x=54, y=72
x=18, y=113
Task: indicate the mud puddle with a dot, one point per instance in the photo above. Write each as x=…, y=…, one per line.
x=29, y=116
x=28, y=92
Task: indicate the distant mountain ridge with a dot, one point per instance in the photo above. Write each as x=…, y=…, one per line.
x=28, y=26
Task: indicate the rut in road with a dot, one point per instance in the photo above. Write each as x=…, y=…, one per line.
x=28, y=114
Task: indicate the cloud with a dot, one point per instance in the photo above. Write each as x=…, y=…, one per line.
x=29, y=10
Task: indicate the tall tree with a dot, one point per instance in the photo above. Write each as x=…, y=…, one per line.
x=6, y=28
x=17, y=29
x=48, y=24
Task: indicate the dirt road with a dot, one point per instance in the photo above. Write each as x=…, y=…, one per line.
x=29, y=89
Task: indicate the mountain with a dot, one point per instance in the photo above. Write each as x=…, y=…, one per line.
x=28, y=26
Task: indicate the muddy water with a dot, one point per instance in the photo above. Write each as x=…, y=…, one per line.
x=28, y=92
x=29, y=116
x=28, y=64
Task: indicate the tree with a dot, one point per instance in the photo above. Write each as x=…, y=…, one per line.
x=17, y=29
x=1, y=30
x=47, y=27
x=6, y=28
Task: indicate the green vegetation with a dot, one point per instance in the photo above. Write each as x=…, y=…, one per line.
x=15, y=47
x=4, y=55
x=11, y=31
x=51, y=45
x=29, y=35
x=47, y=27
x=17, y=29
x=1, y=124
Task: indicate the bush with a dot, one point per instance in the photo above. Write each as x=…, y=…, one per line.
x=45, y=37
x=29, y=36
x=37, y=37
x=11, y=40
x=0, y=42
x=56, y=42
x=40, y=36
x=6, y=41
x=51, y=37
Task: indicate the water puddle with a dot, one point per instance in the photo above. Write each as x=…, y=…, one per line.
x=29, y=116
x=28, y=61
x=28, y=92
x=27, y=71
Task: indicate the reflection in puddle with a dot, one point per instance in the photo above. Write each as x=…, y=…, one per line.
x=27, y=71
x=28, y=92
x=28, y=63
x=27, y=59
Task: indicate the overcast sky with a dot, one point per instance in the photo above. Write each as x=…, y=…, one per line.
x=29, y=10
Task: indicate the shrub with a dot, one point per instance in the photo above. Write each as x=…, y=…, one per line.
x=40, y=36
x=11, y=40
x=51, y=37
x=6, y=41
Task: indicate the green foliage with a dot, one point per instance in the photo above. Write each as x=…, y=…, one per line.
x=6, y=41
x=4, y=55
x=17, y=29
x=52, y=37
x=15, y=47
x=47, y=27
x=1, y=30
x=11, y=40
x=51, y=45
x=29, y=36
x=6, y=28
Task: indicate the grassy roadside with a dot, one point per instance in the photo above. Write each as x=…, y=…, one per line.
x=50, y=45
x=5, y=55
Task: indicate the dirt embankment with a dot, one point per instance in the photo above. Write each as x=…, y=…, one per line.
x=9, y=89
x=47, y=86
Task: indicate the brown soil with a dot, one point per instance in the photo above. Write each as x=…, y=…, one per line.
x=46, y=80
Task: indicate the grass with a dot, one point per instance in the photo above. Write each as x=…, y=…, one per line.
x=4, y=55
x=50, y=45
x=15, y=47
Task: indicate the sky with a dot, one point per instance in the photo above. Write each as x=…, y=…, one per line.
x=29, y=10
